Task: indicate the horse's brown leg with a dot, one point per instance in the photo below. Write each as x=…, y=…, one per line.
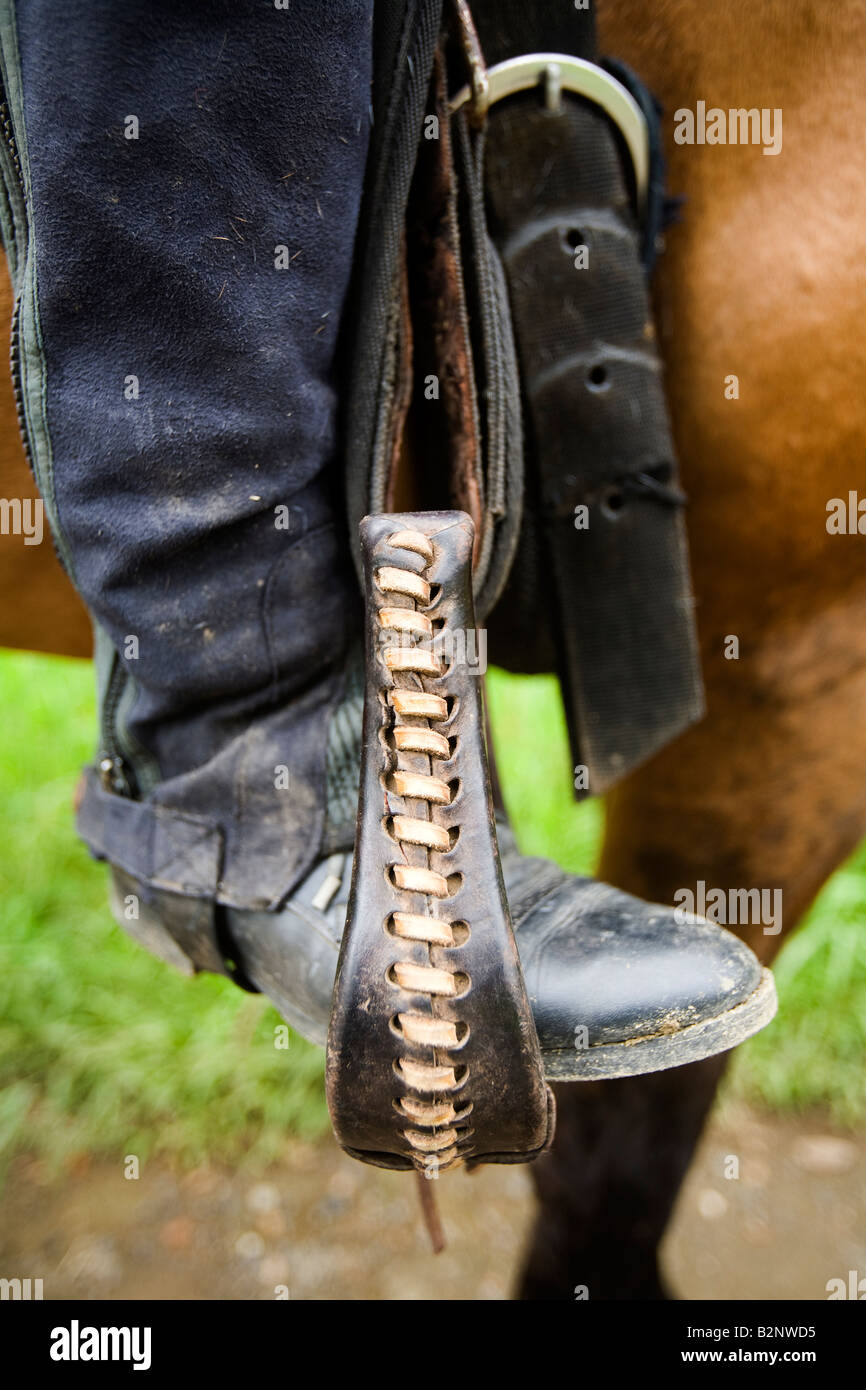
x=761, y=282
x=607, y=1188
x=768, y=792
x=765, y=794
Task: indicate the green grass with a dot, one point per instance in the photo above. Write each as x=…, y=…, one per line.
x=106, y=1050
x=103, y=1048
x=813, y=1052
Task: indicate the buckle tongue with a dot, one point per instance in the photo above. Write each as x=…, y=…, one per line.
x=558, y=72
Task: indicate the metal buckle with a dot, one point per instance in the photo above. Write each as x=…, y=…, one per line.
x=558, y=72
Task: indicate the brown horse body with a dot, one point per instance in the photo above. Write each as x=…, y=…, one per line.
x=762, y=281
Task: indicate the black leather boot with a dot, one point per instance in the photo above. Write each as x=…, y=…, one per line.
x=650, y=990
x=616, y=986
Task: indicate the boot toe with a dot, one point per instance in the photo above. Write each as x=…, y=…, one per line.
x=619, y=986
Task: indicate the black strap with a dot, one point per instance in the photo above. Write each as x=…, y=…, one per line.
x=609, y=606
x=407, y=34
x=508, y=28
x=597, y=433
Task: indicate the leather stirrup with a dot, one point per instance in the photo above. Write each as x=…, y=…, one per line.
x=432, y=1053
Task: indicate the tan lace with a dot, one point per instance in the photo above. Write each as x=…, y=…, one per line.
x=438, y=1136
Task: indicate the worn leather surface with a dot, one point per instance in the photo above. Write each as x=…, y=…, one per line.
x=499, y=1106
x=597, y=958
x=427, y=306
x=592, y=957
x=613, y=580
x=180, y=930
x=292, y=954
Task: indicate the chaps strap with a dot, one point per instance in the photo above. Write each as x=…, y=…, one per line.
x=433, y=1057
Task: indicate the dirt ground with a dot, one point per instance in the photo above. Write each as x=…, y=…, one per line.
x=324, y=1227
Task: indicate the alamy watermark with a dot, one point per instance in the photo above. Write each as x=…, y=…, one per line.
x=454, y=646
x=21, y=1290
x=846, y=516
x=732, y=907
x=852, y=1288
x=23, y=516
x=77, y=1343
x=740, y=125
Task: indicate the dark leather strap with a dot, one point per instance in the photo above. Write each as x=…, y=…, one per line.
x=508, y=28
x=162, y=847
x=597, y=433
x=432, y=1052
x=406, y=36
x=608, y=606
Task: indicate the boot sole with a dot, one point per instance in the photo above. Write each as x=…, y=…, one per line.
x=665, y=1050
